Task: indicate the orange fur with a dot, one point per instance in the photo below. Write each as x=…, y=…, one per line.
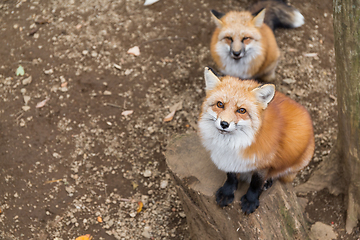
x=285, y=139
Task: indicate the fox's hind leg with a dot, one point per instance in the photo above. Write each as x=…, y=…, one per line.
x=225, y=194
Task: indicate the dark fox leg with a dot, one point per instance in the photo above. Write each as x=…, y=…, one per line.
x=225, y=194
x=250, y=201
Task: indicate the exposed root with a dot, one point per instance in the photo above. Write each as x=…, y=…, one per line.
x=327, y=175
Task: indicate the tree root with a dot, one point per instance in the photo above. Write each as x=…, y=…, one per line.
x=327, y=175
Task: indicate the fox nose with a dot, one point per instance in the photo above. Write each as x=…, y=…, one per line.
x=224, y=124
x=236, y=53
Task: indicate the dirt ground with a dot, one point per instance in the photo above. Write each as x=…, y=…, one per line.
x=96, y=147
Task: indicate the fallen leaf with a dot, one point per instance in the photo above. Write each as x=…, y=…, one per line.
x=127, y=112
x=64, y=84
x=169, y=117
x=149, y=2
x=134, y=51
x=140, y=206
x=99, y=219
x=20, y=71
x=84, y=237
x=176, y=107
x=42, y=103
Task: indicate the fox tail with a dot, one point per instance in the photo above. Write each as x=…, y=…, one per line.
x=278, y=14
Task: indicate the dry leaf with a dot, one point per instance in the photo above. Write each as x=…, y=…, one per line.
x=64, y=84
x=134, y=51
x=149, y=2
x=42, y=103
x=176, y=107
x=140, y=206
x=99, y=219
x=127, y=112
x=84, y=237
x=169, y=117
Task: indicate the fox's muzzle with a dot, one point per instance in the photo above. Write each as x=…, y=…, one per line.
x=237, y=53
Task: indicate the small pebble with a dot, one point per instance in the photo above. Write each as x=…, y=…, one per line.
x=147, y=173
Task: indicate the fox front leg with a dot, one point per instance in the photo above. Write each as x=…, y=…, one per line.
x=225, y=194
x=250, y=201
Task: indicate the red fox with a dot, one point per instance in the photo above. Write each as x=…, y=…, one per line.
x=251, y=129
x=243, y=44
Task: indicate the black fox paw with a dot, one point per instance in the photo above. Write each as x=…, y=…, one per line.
x=249, y=206
x=224, y=196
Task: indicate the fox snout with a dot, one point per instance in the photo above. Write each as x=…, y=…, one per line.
x=237, y=52
x=225, y=126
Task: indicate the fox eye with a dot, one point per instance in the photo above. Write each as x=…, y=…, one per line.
x=241, y=110
x=220, y=104
x=229, y=39
x=246, y=39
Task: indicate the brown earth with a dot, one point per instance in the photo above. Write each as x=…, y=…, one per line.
x=79, y=158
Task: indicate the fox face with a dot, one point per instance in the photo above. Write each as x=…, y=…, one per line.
x=231, y=115
x=238, y=33
x=238, y=42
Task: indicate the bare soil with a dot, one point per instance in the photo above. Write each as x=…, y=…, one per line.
x=80, y=156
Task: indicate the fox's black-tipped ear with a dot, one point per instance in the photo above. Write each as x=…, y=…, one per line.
x=217, y=17
x=258, y=20
x=217, y=14
x=264, y=94
x=211, y=80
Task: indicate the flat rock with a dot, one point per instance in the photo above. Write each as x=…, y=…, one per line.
x=322, y=231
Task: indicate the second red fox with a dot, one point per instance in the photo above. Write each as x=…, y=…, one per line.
x=252, y=130
x=243, y=44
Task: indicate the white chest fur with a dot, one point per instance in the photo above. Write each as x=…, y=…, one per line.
x=230, y=160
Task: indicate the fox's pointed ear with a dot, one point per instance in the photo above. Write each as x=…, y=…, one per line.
x=264, y=94
x=258, y=20
x=216, y=16
x=211, y=80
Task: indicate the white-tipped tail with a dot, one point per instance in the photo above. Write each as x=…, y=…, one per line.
x=298, y=19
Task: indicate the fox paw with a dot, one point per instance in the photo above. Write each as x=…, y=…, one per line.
x=224, y=196
x=249, y=206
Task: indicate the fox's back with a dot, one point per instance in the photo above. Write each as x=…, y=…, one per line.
x=286, y=134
